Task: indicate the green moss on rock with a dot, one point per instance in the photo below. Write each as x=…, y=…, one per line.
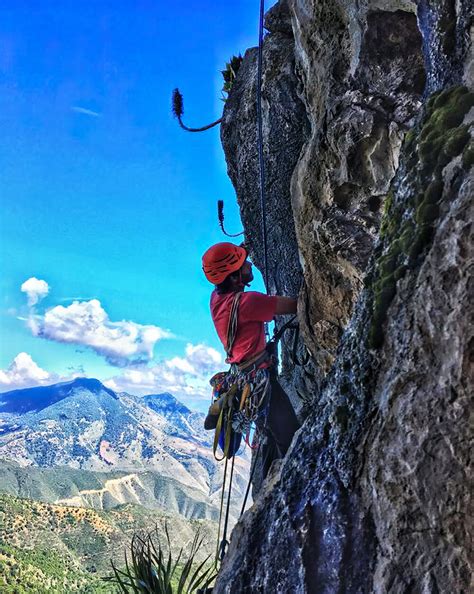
x=407, y=229
x=468, y=156
x=433, y=191
x=426, y=213
x=456, y=141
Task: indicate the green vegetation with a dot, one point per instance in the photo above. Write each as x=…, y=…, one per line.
x=468, y=156
x=151, y=568
x=407, y=226
x=61, y=549
x=229, y=74
x=43, y=570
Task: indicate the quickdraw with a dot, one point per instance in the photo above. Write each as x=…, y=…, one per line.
x=238, y=398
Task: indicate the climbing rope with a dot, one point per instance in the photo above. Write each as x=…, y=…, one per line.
x=224, y=542
x=252, y=472
x=261, y=161
x=218, y=546
x=177, y=101
x=261, y=164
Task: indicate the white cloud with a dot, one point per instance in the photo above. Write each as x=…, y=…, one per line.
x=85, y=111
x=182, y=376
x=180, y=364
x=23, y=372
x=86, y=323
x=199, y=359
x=35, y=290
x=186, y=377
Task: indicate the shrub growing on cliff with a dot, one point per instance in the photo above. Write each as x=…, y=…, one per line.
x=228, y=74
x=150, y=569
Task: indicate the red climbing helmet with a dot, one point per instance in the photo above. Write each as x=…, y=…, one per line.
x=222, y=259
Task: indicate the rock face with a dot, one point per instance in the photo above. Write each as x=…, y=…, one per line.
x=374, y=494
x=285, y=128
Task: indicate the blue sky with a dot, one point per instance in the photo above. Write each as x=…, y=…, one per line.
x=106, y=203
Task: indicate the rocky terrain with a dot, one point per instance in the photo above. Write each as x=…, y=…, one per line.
x=82, y=469
x=57, y=548
x=106, y=490
x=80, y=443
x=368, y=118
x=368, y=111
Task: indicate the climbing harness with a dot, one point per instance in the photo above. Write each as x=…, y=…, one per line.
x=241, y=400
x=243, y=412
x=238, y=395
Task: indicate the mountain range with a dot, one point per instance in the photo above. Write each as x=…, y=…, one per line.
x=80, y=443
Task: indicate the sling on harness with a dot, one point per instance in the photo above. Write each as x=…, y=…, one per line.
x=225, y=397
x=241, y=400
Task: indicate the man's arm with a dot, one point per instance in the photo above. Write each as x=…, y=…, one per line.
x=258, y=307
x=285, y=305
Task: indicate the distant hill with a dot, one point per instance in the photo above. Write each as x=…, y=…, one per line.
x=52, y=548
x=35, y=399
x=104, y=491
x=81, y=443
x=82, y=468
x=181, y=421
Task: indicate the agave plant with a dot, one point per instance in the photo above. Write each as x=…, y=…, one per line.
x=178, y=110
x=229, y=74
x=150, y=569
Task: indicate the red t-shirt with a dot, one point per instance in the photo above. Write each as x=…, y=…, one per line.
x=254, y=309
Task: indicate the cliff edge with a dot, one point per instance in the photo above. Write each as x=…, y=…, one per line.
x=368, y=114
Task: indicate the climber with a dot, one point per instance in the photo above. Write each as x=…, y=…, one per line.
x=227, y=267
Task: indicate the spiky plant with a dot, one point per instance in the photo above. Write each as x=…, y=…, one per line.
x=150, y=568
x=229, y=74
x=178, y=110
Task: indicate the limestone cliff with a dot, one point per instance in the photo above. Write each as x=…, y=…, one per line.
x=368, y=118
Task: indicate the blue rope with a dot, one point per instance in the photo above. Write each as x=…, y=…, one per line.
x=223, y=544
x=260, y=143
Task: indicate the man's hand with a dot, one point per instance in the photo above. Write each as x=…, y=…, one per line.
x=285, y=305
